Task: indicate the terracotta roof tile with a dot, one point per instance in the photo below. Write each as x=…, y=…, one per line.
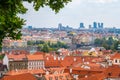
x=110, y=72
x=64, y=76
x=17, y=72
x=26, y=76
x=17, y=56
x=116, y=56
x=70, y=61
x=37, y=53
x=35, y=57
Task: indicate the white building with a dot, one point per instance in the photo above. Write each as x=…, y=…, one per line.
x=35, y=61
x=116, y=59
x=6, y=61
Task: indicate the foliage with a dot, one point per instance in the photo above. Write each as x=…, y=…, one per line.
x=47, y=46
x=108, y=44
x=2, y=56
x=35, y=42
x=11, y=24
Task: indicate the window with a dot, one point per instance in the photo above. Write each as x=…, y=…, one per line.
x=10, y=64
x=29, y=63
x=66, y=77
x=116, y=61
x=50, y=78
x=56, y=78
x=109, y=74
x=61, y=77
x=119, y=75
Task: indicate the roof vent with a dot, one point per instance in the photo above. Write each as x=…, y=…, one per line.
x=47, y=58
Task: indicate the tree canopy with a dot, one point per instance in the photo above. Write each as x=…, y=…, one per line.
x=47, y=46
x=11, y=23
x=108, y=44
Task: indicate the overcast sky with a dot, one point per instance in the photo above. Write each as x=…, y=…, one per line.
x=87, y=11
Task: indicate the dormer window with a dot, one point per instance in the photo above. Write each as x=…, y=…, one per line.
x=109, y=74
x=56, y=78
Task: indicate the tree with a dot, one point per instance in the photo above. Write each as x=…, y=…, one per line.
x=98, y=42
x=108, y=44
x=11, y=24
x=45, y=48
x=110, y=41
x=2, y=56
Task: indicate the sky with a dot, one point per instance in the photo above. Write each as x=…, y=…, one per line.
x=75, y=12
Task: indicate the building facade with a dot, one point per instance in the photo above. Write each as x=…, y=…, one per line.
x=35, y=61
x=15, y=61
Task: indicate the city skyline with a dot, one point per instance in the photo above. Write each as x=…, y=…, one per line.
x=77, y=11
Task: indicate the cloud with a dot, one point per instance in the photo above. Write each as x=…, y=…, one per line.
x=78, y=2
x=74, y=3
x=102, y=1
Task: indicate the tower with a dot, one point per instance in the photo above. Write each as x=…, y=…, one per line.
x=81, y=25
x=59, y=26
x=94, y=25
x=100, y=25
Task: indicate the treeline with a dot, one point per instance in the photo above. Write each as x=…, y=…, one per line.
x=108, y=43
x=47, y=46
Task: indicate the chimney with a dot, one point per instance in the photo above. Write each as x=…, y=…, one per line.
x=83, y=59
x=86, y=76
x=70, y=70
x=16, y=70
x=75, y=59
x=54, y=57
x=62, y=58
x=58, y=58
x=47, y=58
x=47, y=72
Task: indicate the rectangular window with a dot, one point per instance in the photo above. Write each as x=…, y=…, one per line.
x=56, y=78
x=50, y=78
x=116, y=61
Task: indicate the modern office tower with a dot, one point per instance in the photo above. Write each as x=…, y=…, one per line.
x=100, y=25
x=81, y=25
x=60, y=26
x=30, y=27
x=94, y=25
x=90, y=26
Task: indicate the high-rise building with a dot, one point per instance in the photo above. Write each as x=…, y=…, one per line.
x=30, y=27
x=94, y=25
x=81, y=25
x=100, y=25
x=90, y=26
x=60, y=26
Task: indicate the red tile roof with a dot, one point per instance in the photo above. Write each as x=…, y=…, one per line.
x=26, y=76
x=37, y=53
x=35, y=57
x=110, y=72
x=70, y=61
x=17, y=72
x=17, y=56
x=51, y=62
x=94, y=77
x=63, y=76
x=116, y=56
